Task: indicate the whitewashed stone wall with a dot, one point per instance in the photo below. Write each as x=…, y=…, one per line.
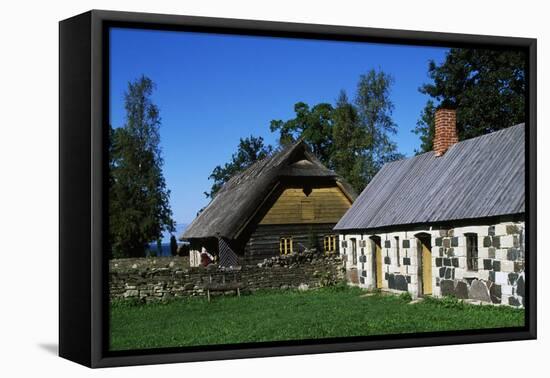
x=500, y=277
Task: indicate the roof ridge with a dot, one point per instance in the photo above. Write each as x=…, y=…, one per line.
x=278, y=150
x=493, y=133
x=476, y=178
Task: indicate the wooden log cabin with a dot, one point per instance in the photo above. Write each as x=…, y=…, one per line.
x=282, y=204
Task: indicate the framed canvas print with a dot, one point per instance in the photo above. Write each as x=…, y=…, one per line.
x=234, y=188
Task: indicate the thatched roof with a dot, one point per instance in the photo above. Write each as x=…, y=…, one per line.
x=476, y=178
x=236, y=202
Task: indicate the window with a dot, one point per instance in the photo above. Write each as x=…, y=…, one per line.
x=329, y=243
x=354, y=252
x=471, y=251
x=397, y=251
x=285, y=245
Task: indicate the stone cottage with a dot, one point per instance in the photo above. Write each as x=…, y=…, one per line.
x=446, y=222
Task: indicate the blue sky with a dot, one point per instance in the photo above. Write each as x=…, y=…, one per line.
x=214, y=89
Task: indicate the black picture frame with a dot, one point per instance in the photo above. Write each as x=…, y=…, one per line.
x=83, y=116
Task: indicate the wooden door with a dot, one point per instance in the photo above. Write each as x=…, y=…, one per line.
x=426, y=269
x=378, y=261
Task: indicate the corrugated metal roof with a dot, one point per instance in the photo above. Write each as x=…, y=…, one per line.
x=476, y=178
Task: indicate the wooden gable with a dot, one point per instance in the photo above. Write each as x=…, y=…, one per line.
x=321, y=205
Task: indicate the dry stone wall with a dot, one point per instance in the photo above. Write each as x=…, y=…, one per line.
x=171, y=278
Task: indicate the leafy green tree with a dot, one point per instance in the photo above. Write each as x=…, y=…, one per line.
x=374, y=109
x=173, y=246
x=139, y=208
x=349, y=143
x=249, y=151
x=351, y=138
x=313, y=125
x=487, y=87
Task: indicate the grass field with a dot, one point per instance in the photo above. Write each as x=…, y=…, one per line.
x=288, y=315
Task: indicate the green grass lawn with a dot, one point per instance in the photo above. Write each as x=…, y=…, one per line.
x=288, y=315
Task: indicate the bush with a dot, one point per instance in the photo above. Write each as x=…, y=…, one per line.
x=406, y=296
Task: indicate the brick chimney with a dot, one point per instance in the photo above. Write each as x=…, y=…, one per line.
x=445, y=130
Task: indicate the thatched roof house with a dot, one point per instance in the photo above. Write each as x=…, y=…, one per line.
x=277, y=205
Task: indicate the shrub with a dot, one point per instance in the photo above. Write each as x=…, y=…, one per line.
x=406, y=296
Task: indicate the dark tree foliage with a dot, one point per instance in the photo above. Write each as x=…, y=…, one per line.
x=349, y=140
x=139, y=208
x=425, y=127
x=249, y=151
x=313, y=125
x=173, y=246
x=487, y=87
x=354, y=139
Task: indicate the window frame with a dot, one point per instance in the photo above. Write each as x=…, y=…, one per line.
x=353, y=252
x=472, y=261
x=329, y=243
x=286, y=245
x=397, y=251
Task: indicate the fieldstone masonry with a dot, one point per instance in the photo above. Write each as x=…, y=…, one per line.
x=499, y=279
x=143, y=280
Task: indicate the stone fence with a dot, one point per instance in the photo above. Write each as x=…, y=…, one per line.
x=150, y=279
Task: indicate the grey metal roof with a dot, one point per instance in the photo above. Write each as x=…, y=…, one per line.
x=476, y=178
x=237, y=200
